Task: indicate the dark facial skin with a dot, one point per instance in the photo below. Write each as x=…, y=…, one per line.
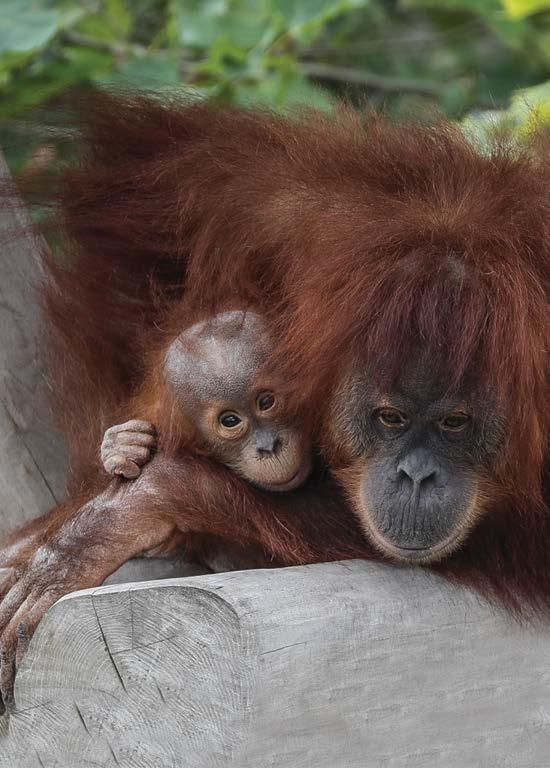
x=420, y=461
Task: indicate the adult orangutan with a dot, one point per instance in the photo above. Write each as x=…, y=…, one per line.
x=405, y=276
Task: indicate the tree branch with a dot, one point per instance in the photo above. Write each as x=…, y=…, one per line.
x=312, y=69
x=106, y=46
x=369, y=80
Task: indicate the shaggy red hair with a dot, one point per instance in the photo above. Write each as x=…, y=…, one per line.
x=357, y=237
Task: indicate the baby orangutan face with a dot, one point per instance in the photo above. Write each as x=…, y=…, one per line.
x=249, y=435
x=214, y=370
x=213, y=373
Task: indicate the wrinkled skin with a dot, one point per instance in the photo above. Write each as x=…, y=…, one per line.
x=79, y=546
x=127, y=447
x=99, y=537
x=418, y=461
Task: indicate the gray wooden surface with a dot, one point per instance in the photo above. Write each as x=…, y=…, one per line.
x=350, y=665
x=31, y=458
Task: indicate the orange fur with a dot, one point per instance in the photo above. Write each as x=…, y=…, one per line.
x=358, y=238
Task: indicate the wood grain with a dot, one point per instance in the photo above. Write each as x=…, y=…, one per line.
x=343, y=665
x=32, y=461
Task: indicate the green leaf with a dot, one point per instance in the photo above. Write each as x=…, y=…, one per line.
x=10, y=60
x=529, y=108
x=159, y=69
x=49, y=75
x=201, y=23
x=302, y=92
x=119, y=16
x=36, y=85
x=85, y=64
x=28, y=25
x=519, y=9
x=305, y=19
x=511, y=32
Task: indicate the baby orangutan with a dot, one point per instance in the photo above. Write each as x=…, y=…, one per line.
x=214, y=405
x=212, y=372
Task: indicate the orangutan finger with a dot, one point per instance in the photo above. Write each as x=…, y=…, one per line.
x=7, y=670
x=27, y=620
x=136, y=453
x=134, y=425
x=135, y=438
x=16, y=638
x=11, y=603
x=119, y=465
x=24, y=636
x=8, y=577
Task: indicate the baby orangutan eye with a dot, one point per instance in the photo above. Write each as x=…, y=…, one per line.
x=455, y=422
x=392, y=418
x=266, y=401
x=229, y=420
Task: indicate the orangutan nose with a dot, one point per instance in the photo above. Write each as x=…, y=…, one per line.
x=418, y=468
x=268, y=444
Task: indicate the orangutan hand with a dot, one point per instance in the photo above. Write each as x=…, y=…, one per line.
x=127, y=447
x=26, y=593
x=96, y=539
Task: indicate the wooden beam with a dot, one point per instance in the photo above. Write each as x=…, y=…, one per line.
x=342, y=665
x=32, y=461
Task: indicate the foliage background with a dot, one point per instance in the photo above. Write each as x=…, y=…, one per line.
x=485, y=62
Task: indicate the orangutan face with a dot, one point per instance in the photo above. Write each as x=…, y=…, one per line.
x=415, y=463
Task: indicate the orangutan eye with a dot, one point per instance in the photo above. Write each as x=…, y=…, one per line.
x=266, y=401
x=455, y=422
x=229, y=420
x=392, y=418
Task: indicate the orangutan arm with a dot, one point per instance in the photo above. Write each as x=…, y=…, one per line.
x=75, y=546
x=79, y=545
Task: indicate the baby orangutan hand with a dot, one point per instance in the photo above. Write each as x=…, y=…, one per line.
x=127, y=447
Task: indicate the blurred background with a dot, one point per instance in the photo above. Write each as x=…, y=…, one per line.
x=485, y=63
